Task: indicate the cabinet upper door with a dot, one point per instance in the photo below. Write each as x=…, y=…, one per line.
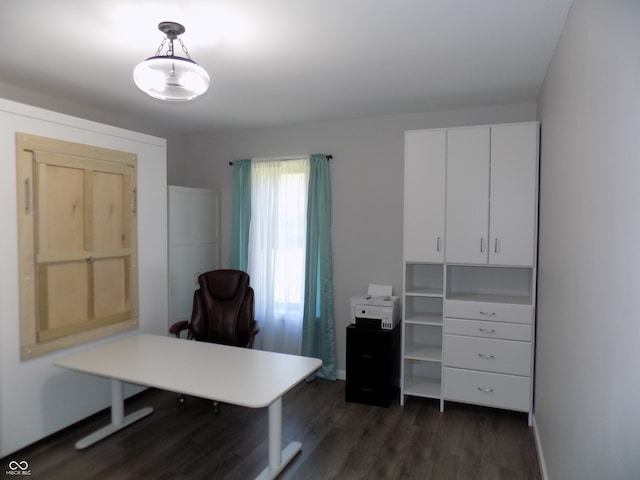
x=512, y=218
x=467, y=208
x=424, y=187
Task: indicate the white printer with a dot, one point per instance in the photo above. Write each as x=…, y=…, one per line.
x=377, y=309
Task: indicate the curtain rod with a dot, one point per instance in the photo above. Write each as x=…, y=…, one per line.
x=329, y=157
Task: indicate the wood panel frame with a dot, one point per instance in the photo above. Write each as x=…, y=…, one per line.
x=114, y=245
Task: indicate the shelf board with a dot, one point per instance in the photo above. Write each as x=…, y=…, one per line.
x=424, y=319
x=490, y=298
x=425, y=353
x=423, y=292
x=422, y=387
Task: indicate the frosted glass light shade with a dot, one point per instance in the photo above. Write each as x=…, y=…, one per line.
x=171, y=78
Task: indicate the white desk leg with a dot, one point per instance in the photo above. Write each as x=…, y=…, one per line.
x=278, y=459
x=117, y=402
x=275, y=434
x=118, y=419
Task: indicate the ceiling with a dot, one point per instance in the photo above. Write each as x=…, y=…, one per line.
x=283, y=62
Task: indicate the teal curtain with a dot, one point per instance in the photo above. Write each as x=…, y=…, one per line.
x=318, y=330
x=240, y=215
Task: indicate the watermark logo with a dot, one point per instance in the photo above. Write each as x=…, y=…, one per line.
x=18, y=468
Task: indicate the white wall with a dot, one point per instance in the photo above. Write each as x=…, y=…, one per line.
x=175, y=141
x=587, y=403
x=36, y=398
x=366, y=182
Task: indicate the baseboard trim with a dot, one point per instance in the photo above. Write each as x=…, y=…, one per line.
x=541, y=461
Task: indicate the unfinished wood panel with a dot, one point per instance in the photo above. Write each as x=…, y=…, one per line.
x=61, y=206
x=64, y=300
x=78, y=237
x=108, y=208
x=110, y=285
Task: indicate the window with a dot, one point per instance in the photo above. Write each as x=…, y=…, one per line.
x=281, y=232
x=77, y=243
x=277, y=241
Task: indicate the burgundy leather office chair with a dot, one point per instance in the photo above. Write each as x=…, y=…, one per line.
x=222, y=312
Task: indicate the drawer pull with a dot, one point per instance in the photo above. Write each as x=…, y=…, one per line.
x=487, y=330
x=487, y=357
x=485, y=390
x=488, y=314
x=366, y=355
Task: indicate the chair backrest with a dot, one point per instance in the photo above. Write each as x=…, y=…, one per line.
x=223, y=309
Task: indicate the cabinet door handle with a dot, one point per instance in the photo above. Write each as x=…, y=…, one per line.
x=134, y=208
x=485, y=390
x=486, y=357
x=495, y=246
x=487, y=330
x=488, y=314
x=481, y=244
x=27, y=195
x=438, y=244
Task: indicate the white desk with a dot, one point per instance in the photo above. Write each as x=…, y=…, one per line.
x=240, y=376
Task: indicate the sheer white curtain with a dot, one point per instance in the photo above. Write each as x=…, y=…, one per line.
x=276, y=259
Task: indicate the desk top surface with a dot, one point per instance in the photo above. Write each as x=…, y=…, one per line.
x=241, y=376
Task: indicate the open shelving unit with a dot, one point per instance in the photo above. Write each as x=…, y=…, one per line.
x=488, y=284
x=422, y=330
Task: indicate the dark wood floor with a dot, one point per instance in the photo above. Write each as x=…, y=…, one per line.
x=339, y=441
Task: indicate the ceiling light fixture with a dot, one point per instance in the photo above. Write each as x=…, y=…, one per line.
x=169, y=77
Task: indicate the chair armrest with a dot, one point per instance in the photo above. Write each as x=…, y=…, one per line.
x=254, y=331
x=178, y=327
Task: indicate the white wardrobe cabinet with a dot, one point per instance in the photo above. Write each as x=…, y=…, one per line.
x=194, y=244
x=468, y=325
x=491, y=195
x=424, y=186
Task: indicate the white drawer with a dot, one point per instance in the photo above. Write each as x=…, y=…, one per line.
x=482, y=328
x=489, y=389
x=487, y=354
x=497, y=312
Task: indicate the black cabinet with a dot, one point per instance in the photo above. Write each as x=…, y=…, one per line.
x=373, y=361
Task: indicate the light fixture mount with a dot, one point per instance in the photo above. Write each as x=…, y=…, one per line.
x=168, y=76
x=171, y=29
